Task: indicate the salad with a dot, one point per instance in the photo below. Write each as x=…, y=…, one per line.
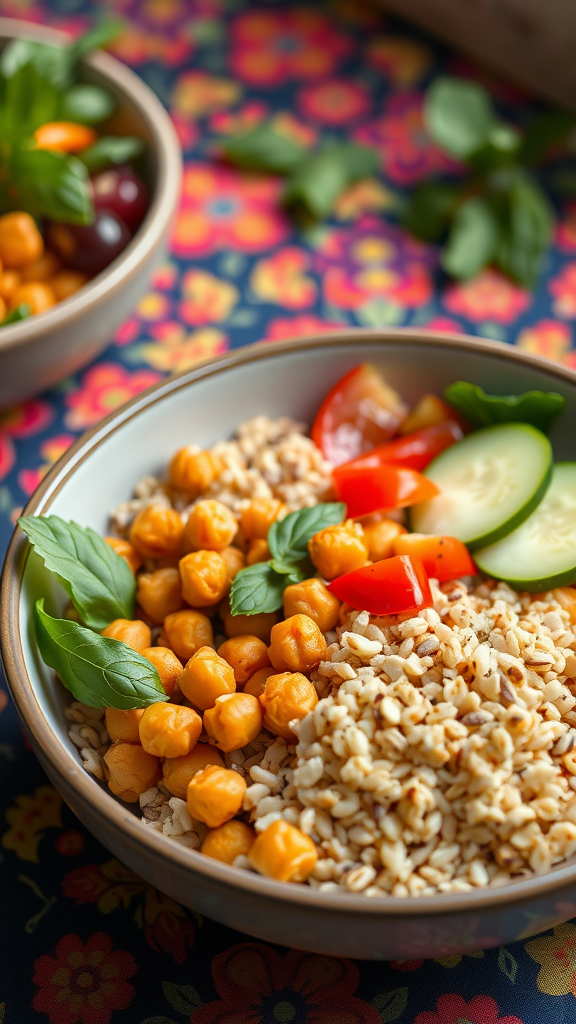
x=345, y=660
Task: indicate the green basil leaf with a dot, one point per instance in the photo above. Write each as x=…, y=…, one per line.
x=297, y=571
x=458, y=115
x=28, y=100
x=51, y=63
x=359, y=161
x=22, y=312
x=111, y=149
x=288, y=538
x=527, y=232
x=539, y=408
x=100, y=35
x=473, y=239
x=98, y=581
x=324, y=174
x=257, y=588
x=264, y=149
x=429, y=210
x=52, y=185
x=86, y=104
x=546, y=130
x=99, y=671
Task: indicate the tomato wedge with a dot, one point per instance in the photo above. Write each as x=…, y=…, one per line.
x=367, y=489
x=429, y=411
x=391, y=587
x=360, y=412
x=414, y=451
x=444, y=558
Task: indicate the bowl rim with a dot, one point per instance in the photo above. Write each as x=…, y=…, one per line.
x=128, y=827
x=168, y=175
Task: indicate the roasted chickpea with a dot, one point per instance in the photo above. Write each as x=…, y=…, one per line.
x=168, y=730
x=313, y=599
x=257, y=682
x=246, y=654
x=193, y=471
x=41, y=269
x=258, y=551
x=133, y=632
x=234, y=560
x=204, y=578
x=123, y=725
x=283, y=852
x=157, y=531
x=67, y=283
x=186, y=632
x=211, y=526
x=167, y=665
x=338, y=549
x=127, y=551
x=380, y=538
x=205, y=678
x=36, y=294
x=132, y=770
x=160, y=593
x=215, y=795
x=20, y=240
x=239, y=625
x=257, y=518
x=9, y=282
x=177, y=771
x=234, y=721
x=296, y=644
x=287, y=696
x=228, y=841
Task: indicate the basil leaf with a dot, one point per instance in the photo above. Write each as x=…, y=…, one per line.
x=22, y=312
x=28, y=100
x=99, y=671
x=264, y=149
x=86, y=104
x=288, y=538
x=258, y=588
x=323, y=175
x=111, y=149
x=547, y=129
x=429, y=210
x=473, y=239
x=99, y=582
x=52, y=185
x=51, y=63
x=527, y=231
x=539, y=408
x=458, y=115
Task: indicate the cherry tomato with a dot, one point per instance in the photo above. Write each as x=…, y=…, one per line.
x=367, y=489
x=360, y=412
x=414, y=451
x=444, y=558
x=391, y=587
x=93, y=247
x=64, y=136
x=120, y=190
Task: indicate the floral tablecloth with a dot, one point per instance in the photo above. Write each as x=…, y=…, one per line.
x=82, y=939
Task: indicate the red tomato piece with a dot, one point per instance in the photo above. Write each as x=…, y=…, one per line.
x=414, y=451
x=360, y=412
x=429, y=411
x=367, y=489
x=444, y=558
x=391, y=587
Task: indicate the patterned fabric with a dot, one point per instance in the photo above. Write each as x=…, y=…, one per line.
x=83, y=940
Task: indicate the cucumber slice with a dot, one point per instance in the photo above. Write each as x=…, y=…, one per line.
x=489, y=484
x=541, y=553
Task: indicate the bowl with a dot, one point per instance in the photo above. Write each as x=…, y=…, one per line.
x=43, y=349
x=98, y=472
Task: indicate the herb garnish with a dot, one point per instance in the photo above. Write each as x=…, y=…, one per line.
x=539, y=408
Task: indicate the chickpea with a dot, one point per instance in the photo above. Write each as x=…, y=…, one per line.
x=215, y=795
x=127, y=551
x=287, y=696
x=211, y=526
x=157, y=531
x=257, y=682
x=186, y=632
x=312, y=598
x=296, y=644
x=133, y=632
x=41, y=269
x=67, y=282
x=20, y=240
x=132, y=770
x=204, y=578
x=283, y=852
x=177, y=771
x=234, y=560
x=36, y=294
x=193, y=471
x=9, y=282
x=338, y=549
x=380, y=538
x=123, y=725
x=228, y=841
x=159, y=593
x=205, y=678
x=168, y=730
x=246, y=654
x=167, y=665
x=3, y=309
x=258, y=551
x=234, y=721
x=257, y=518
x=239, y=625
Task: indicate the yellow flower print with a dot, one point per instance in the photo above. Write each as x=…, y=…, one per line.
x=281, y=279
x=180, y=351
x=28, y=819
x=206, y=298
x=363, y=197
x=557, y=955
x=197, y=93
x=404, y=61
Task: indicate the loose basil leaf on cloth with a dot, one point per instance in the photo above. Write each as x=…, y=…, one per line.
x=111, y=149
x=288, y=538
x=527, y=231
x=87, y=104
x=458, y=115
x=21, y=312
x=547, y=129
x=264, y=149
x=98, y=581
x=324, y=174
x=99, y=671
x=258, y=588
x=52, y=185
x=473, y=239
x=429, y=210
x=539, y=408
